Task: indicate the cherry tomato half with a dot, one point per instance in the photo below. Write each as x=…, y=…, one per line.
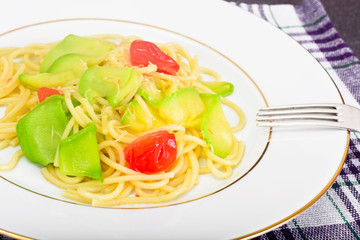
x=143, y=52
x=45, y=92
x=152, y=153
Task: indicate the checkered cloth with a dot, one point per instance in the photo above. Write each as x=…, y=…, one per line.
x=336, y=215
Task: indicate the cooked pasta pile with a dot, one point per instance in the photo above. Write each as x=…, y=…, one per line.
x=121, y=185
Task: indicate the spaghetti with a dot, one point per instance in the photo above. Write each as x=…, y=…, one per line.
x=121, y=185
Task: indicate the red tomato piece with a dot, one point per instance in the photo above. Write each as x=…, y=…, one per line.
x=143, y=52
x=152, y=153
x=45, y=92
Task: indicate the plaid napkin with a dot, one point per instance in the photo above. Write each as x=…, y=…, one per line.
x=336, y=215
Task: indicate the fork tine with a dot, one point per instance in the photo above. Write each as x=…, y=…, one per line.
x=298, y=123
x=294, y=117
x=287, y=111
x=304, y=109
x=331, y=115
x=301, y=106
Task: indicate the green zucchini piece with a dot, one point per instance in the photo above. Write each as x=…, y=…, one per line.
x=70, y=62
x=215, y=128
x=149, y=91
x=48, y=80
x=184, y=107
x=39, y=131
x=64, y=69
x=79, y=154
x=135, y=118
x=222, y=88
x=89, y=47
x=112, y=83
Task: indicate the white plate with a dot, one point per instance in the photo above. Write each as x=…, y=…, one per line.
x=246, y=91
x=296, y=169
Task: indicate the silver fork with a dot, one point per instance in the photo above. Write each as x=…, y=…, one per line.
x=328, y=115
